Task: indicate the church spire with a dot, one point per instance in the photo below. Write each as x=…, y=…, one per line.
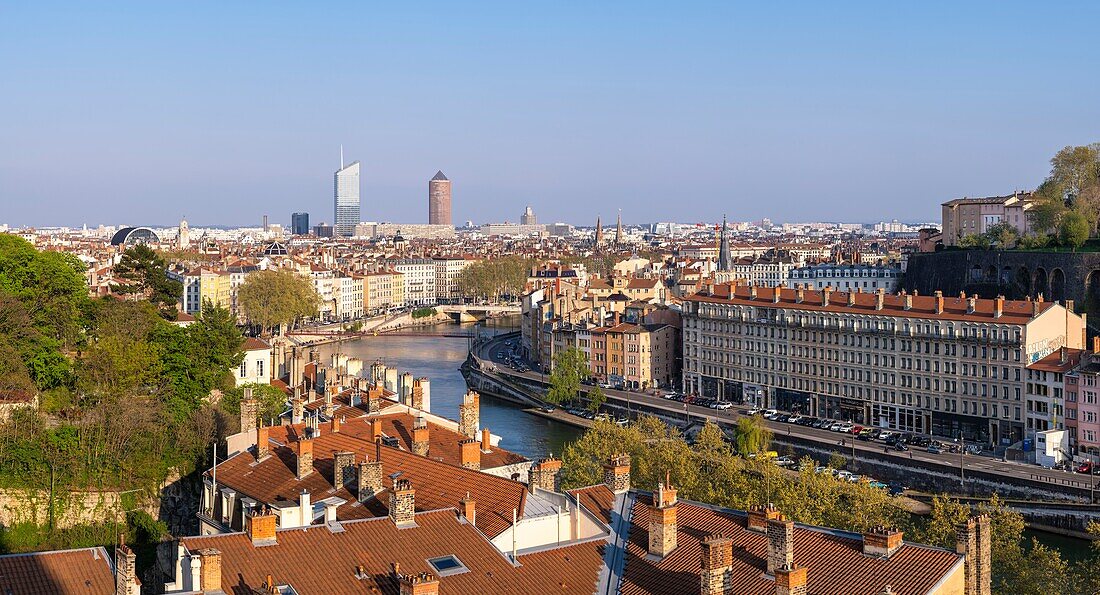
x=725, y=259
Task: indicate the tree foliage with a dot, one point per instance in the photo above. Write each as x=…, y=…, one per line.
x=272, y=400
x=1071, y=188
x=274, y=298
x=569, y=370
x=50, y=285
x=752, y=435
x=1074, y=230
x=146, y=273
x=494, y=278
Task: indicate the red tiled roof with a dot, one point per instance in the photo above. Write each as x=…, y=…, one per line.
x=254, y=344
x=1055, y=363
x=597, y=499
x=835, y=559
x=317, y=561
x=68, y=572
x=923, y=306
x=437, y=484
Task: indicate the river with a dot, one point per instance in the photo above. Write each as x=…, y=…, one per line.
x=438, y=358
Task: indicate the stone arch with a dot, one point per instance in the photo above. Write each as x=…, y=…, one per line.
x=976, y=273
x=991, y=274
x=1006, y=276
x=1040, y=283
x=1092, y=291
x=1057, y=285
x=1022, y=283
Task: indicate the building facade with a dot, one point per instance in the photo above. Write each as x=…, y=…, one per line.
x=845, y=277
x=419, y=281
x=346, y=207
x=929, y=364
x=439, y=200
x=299, y=224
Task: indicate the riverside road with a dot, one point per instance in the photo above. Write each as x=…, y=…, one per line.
x=949, y=462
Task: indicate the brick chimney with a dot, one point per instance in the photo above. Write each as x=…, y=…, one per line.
x=880, y=298
x=616, y=473
x=760, y=515
x=210, y=579
x=775, y=296
x=851, y=298
x=908, y=301
x=752, y=292
x=470, y=454
x=717, y=561
x=374, y=399
x=417, y=394
x=939, y=302
x=126, y=582
x=544, y=474
x=370, y=479
x=403, y=503
x=780, y=544
x=375, y=430
x=250, y=411
x=297, y=409
x=799, y=295
x=1096, y=344
x=424, y=583
x=263, y=445
x=468, y=508
x=329, y=409
x=343, y=468
x=826, y=292
x=420, y=437
x=260, y=527
x=971, y=304
x=662, y=521
x=334, y=424
x=486, y=441
x=972, y=539
x=791, y=580
x=882, y=541
x=998, y=306
x=469, y=414
x=303, y=459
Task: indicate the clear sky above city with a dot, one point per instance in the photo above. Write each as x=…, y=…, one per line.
x=141, y=112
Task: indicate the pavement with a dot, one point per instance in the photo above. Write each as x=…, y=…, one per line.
x=846, y=444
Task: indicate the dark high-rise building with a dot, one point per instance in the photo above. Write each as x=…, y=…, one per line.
x=299, y=224
x=439, y=200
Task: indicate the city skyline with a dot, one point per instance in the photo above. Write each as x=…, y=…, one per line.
x=711, y=108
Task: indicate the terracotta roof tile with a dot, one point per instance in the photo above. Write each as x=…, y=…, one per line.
x=597, y=499
x=835, y=559
x=67, y=572
x=317, y=561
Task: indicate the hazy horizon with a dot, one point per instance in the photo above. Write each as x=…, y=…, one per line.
x=143, y=113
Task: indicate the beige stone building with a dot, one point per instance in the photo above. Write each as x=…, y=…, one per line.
x=966, y=216
x=931, y=364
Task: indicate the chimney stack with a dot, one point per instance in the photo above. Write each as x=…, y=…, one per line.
x=998, y=306
x=939, y=302
x=825, y=293
x=1035, y=307
x=717, y=562
x=880, y=298
x=375, y=430
x=544, y=474
x=303, y=457
x=250, y=411
x=424, y=583
x=374, y=399
x=305, y=508
x=752, y=292
x=971, y=304
x=791, y=580
x=334, y=424
x=486, y=441
x=851, y=298
x=416, y=399
x=468, y=508
x=908, y=300
x=799, y=295
x=972, y=539
x=760, y=515
x=616, y=473
x=469, y=414
x=210, y=579
x=775, y=295
x=297, y=409
x=882, y=541
x=1096, y=344
x=469, y=454
x=662, y=521
x=780, y=544
x=403, y=503
x=343, y=468
x=370, y=480
x=260, y=527
x=125, y=570
x=420, y=437
x=263, y=446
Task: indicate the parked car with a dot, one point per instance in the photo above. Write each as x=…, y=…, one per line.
x=796, y=418
x=723, y=405
x=934, y=449
x=900, y=446
x=822, y=469
x=784, y=461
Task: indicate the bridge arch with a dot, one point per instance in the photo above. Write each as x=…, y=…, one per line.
x=1041, y=283
x=1057, y=285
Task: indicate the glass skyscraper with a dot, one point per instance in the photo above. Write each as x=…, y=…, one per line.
x=347, y=200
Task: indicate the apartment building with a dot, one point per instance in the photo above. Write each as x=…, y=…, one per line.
x=635, y=356
x=867, y=278
x=383, y=291
x=347, y=298
x=419, y=277
x=966, y=216
x=446, y=278
x=765, y=271
x=947, y=366
x=203, y=285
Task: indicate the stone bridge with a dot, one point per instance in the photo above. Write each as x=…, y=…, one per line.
x=474, y=313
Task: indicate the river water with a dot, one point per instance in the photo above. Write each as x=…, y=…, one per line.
x=438, y=357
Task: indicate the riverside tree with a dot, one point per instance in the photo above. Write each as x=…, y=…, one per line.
x=276, y=299
x=570, y=370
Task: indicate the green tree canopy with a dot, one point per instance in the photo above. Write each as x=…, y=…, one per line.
x=570, y=369
x=146, y=273
x=275, y=298
x=50, y=285
x=494, y=278
x=752, y=435
x=272, y=400
x=1074, y=230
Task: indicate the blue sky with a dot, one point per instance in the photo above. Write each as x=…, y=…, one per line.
x=142, y=112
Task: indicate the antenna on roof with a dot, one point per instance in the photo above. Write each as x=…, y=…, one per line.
x=341, y=156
